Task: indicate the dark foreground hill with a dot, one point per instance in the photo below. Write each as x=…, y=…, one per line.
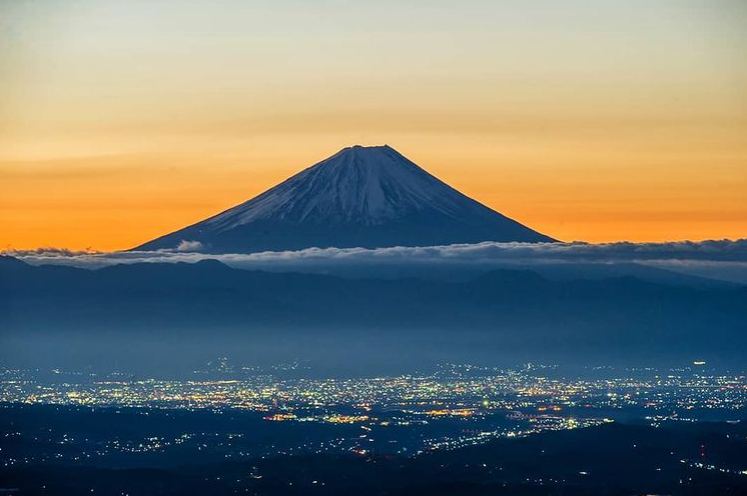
x=505, y=314
x=613, y=459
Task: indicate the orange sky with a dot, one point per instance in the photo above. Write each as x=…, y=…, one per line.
x=122, y=121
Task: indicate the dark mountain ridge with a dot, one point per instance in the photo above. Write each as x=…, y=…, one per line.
x=501, y=313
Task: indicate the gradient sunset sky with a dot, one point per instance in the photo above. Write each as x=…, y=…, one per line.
x=586, y=120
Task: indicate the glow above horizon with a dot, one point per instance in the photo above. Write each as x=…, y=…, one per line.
x=600, y=121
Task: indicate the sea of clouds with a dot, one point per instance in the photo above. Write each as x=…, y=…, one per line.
x=723, y=256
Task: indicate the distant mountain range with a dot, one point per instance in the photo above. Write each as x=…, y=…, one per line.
x=368, y=197
x=499, y=314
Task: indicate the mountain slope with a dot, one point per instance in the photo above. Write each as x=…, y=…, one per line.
x=360, y=197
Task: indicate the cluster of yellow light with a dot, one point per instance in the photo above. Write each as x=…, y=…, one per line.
x=280, y=417
x=554, y=408
x=346, y=419
x=458, y=412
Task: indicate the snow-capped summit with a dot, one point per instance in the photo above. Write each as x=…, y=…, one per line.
x=362, y=196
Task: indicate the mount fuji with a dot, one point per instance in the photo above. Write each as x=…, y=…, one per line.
x=368, y=197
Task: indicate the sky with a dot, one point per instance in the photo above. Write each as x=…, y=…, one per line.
x=600, y=121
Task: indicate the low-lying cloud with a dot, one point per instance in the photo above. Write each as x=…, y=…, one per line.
x=675, y=254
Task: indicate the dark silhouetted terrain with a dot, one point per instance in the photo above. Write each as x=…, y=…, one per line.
x=499, y=314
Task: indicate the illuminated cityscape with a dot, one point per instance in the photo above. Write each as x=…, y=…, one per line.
x=453, y=390
x=453, y=407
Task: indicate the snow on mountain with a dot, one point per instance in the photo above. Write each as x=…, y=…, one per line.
x=362, y=196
